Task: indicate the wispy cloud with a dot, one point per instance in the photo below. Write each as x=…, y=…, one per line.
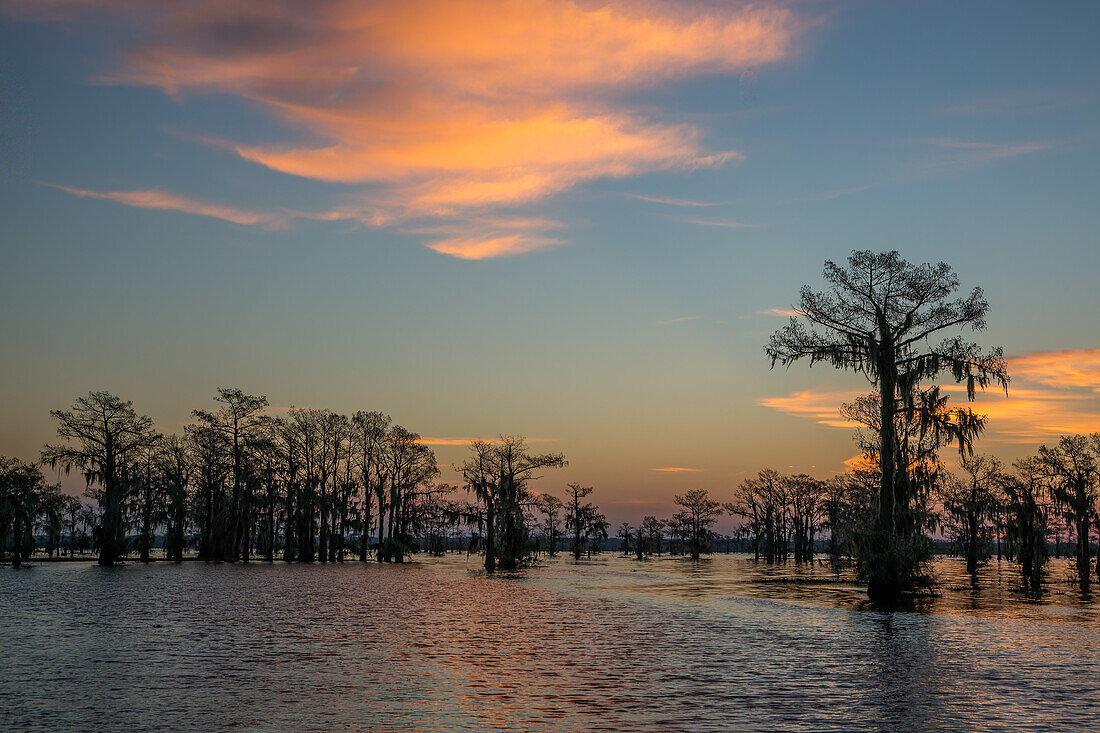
x=449, y=108
x=668, y=201
x=782, y=312
x=836, y=193
x=947, y=155
x=676, y=469
x=715, y=223
x=1032, y=103
x=165, y=201
x=681, y=319
x=968, y=153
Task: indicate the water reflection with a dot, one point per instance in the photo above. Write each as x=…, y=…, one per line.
x=604, y=645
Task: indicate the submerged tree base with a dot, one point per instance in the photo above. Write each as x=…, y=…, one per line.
x=893, y=566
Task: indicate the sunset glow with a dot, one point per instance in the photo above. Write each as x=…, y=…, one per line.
x=560, y=218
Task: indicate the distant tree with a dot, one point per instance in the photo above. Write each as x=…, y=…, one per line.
x=848, y=505
x=598, y=528
x=971, y=501
x=1073, y=465
x=479, y=475
x=498, y=475
x=699, y=515
x=50, y=510
x=210, y=469
x=146, y=497
x=304, y=436
x=71, y=516
x=411, y=467
x=238, y=420
x=579, y=517
x=21, y=491
x=764, y=503
x=626, y=536
x=677, y=526
x=549, y=506
x=878, y=319
x=267, y=461
x=640, y=542
x=89, y=521
x=105, y=435
x=654, y=529
x=174, y=468
x=1028, y=504
x=806, y=514
x=368, y=430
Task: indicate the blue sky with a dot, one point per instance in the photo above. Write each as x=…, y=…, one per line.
x=619, y=324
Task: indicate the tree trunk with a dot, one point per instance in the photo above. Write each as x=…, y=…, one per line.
x=322, y=535
x=364, y=528
x=972, y=542
x=490, y=538
x=1084, y=571
x=887, y=447
x=111, y=534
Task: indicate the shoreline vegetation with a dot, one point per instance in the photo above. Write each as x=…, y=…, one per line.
x=313, y=485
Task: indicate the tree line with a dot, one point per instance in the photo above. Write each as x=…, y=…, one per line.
x=315, y=485
x=312, y=485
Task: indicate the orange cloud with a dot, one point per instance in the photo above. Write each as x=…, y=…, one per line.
x=859, y=462
x=1036, y=414
x=468, y=441
x=676, y=469
x=1065, y=369
x=442, y=108
x=475, y=248
x=164, y=201
x=1054, y=393
x=821, y=406
x=784, y=312
x=445, y=441
x=482, y=237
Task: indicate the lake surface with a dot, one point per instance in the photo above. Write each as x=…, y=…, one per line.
x=609, y=645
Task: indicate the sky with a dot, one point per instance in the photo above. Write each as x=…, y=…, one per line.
x=574, y=221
